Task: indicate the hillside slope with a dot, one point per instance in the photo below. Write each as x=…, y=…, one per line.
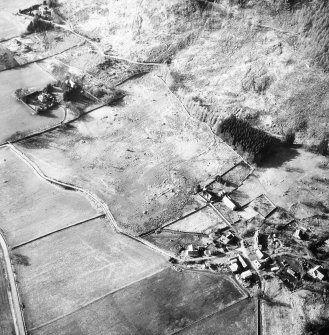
x=251, y=60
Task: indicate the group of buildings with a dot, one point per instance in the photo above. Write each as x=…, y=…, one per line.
x=246, y=268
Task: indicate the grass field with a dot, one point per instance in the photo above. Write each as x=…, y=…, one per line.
x=41, y=45
x=160, y=304
x=6, y=318
x=199, y=222
x=143, y=158
x=239, y=319
x=15, y=5
x=173, y=241
x=10, y=25
x=31, y=207
x=74, y=267
x=15, y=118
x=236, y=176
x=248, y=191
x=262, y=205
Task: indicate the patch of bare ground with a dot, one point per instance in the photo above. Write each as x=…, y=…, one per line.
x=143, y=158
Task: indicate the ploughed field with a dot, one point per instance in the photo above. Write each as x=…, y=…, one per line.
x=16, y=119
x=163, y=303
x=238, y=319
x=67, y=271
x=142, y=158
x=30, y=206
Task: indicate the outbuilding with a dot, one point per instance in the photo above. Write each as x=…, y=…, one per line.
x=257, y=265
x=316, y=273
x=246, y=275
x=229, y=203
x=259, y=254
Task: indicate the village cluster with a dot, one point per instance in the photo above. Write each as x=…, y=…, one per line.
x=248, y=259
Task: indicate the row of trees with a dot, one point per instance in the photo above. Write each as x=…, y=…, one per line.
x=38, y=25
x=239, y=133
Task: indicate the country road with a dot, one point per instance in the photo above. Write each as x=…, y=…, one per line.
x=16, y=307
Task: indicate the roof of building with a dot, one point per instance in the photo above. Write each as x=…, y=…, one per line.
x=246, y=274
x=256, y=264
x=291, y=272
x=190, y=247
x=234, y=267
x=242, y=261
x=193, y=253
x=259, y=254
x=316, y=273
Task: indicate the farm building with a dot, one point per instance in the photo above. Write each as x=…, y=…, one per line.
x=229, y=203
x=246, y=275
x=259, y=254
x=242, y=261
x=256, y=239
x=257, y=265
x=207, y=195
x=316, y=272
x=191, y=251
x=234, y=267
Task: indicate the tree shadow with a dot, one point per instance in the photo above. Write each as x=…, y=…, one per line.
x=49, y=113
x=279, y=156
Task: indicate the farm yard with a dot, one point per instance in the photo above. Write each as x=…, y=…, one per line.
x=159, y=304
x=16, y=120
x=143, y=162
x=31, y=207
x=77, y=266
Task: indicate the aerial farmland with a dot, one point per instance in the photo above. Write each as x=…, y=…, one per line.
x=164, y=168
